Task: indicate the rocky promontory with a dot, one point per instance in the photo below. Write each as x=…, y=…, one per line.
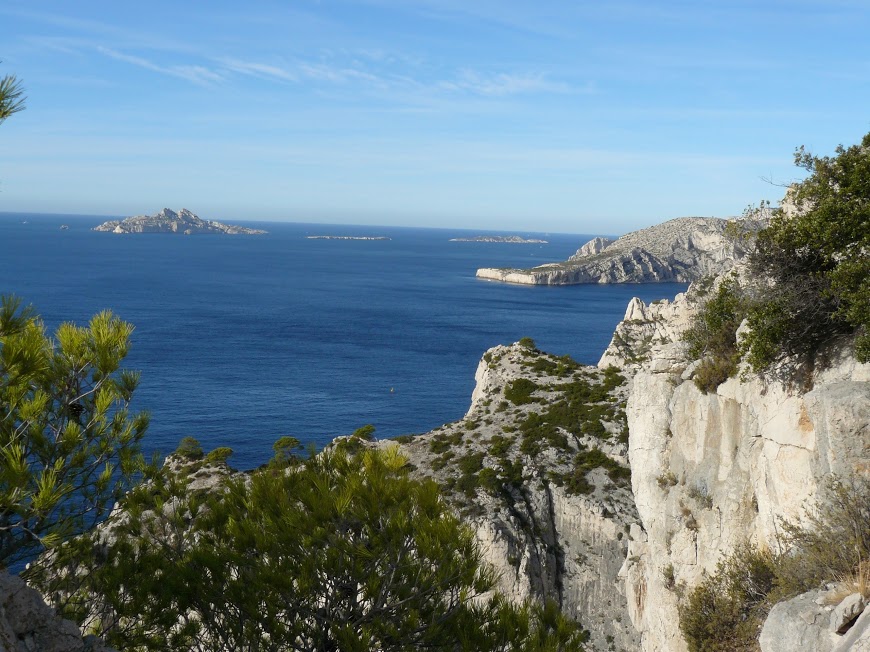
x=680, y=250
x=183, y=222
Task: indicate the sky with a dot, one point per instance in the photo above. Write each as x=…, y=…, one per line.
x=553, y=115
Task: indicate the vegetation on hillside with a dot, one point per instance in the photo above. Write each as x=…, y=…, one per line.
x=336, y=551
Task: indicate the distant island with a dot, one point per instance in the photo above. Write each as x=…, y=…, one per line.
x=347, y=237
x=511, y=239
x=168, y=221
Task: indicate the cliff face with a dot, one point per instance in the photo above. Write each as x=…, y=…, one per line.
x=710, y=471
x=681, y=250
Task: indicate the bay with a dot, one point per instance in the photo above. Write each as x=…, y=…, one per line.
x=243, y=339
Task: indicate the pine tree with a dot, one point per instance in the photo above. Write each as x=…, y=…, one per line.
x=69, y=446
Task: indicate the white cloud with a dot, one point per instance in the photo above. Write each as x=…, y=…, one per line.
x=193, y=73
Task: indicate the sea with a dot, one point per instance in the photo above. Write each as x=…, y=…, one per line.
x=241, y=340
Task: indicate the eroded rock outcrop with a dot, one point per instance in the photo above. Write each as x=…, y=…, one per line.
x=680, y=250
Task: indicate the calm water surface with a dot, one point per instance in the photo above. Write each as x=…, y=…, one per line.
x=241, y=340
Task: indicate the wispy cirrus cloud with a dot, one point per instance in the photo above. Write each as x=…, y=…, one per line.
x=259, y=70
x=193, y=73
x=503, y=84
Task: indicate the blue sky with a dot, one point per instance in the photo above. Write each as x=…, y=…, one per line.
x=584, y=117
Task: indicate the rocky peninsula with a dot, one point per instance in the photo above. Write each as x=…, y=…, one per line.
x=183, y=222
x=680, y=250
x=510, y=239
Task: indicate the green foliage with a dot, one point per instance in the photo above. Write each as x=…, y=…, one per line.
x=724, y=613
x=344, y=553
x=403, y=439
x=189, y=448
x=219, y=455
x=443, y=442
x=594, y=458
x=285, y=450
x=528, y=343
x=11, y=96
x=69, y=446
x=713, y=336
x=519, y=391
x=580, y=411
x=366, y=432
x=818, y=260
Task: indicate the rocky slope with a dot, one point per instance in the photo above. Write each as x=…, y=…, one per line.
x=168, y=221
x=538, y=469
x=710, y=471
x=682, y=250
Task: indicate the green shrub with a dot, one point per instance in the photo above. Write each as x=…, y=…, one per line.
x=189, y=448
x=519, y=391
x=471, y=463
x=366, y=432
x=528, y=343
x=499, y=445
x=713, y=336
x=831, y=541
x=724, y=613
x=219, y=455
x=594, y=458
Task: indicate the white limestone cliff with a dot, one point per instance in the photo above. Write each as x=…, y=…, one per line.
x=710, y=471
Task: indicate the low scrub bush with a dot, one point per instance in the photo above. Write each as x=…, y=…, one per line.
x=725, y=612
x=519, y=391
x=831, y=544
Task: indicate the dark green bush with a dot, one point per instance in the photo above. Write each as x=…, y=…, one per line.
x=724, y=613
x=219, y=455
x=713, y=336
x=519, y=391
x=528, y=343
x=189, y=448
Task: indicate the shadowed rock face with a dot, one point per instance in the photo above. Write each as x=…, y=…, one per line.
x=27, y=623
x=168, y=221
x=680, y=250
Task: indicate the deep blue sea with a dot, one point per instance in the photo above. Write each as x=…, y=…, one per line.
x=243, y=339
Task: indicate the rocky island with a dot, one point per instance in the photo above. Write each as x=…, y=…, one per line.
x=183, y=222
x=347, y=237
x=510, y=239
x=680, y=250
